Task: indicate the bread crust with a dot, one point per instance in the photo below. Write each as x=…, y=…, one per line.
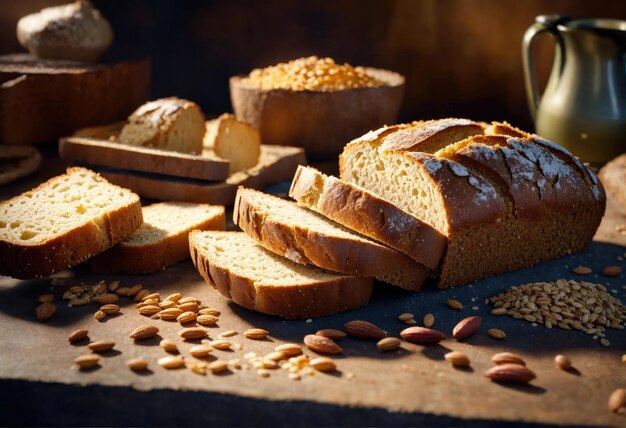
x=315, y=299
x=72, y=247
x=137, y=158
x=306, y=246
x=423, y=138
x=366, y=213
x=135, y=259
x=27, y=160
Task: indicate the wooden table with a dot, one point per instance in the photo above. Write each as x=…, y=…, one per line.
x=412, y=386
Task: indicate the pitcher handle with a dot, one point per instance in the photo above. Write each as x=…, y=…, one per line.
x=543, y=24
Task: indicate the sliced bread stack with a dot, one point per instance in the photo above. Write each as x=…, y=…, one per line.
x=164, y=152
x=503, y=198
x=63, y=222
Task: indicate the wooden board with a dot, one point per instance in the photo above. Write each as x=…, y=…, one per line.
x=412, y=386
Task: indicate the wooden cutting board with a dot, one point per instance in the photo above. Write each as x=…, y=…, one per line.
x=408, y=387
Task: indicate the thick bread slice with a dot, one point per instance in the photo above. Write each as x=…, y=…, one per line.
x=136, y=158
x=258, y=279
x=17, y=162
x=278, y=164
x=366, y=213
x=306, y=237
x=63, y=222
x=168, y=123
x=162, y=240
x=235, y=141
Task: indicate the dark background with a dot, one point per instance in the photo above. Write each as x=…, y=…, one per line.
x=461, y=57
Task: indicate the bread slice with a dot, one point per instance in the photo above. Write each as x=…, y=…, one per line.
x=63, y=222
x=91, y=151
x=167, y=123
x=162, y=240
x=258, y=279
x=306, y=237
x=494, y=198
x=235, y=141
x=613, y=175
x=17, y=162
x=362, y=211
x=277, y=164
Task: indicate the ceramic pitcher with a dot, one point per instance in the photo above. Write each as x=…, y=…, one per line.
x=583, y=107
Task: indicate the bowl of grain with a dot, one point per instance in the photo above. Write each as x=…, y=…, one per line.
x=316, y=103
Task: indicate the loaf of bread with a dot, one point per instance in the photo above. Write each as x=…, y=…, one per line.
x=258, y=279
x=63, y=222
x=162, y=240
x=235, y=141
x=17, y=162
x=362, y=211
x=72, y=32
x=306, y=237
x=505, y=199
x=167, y=123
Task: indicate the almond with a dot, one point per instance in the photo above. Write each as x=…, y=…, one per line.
x=321, y=344
x=207, y=320
x=323, y=364
x=144, y=332
x=256, y=334
x=467, y=327
x=45, y=311
x=388, y=343
x=193, y=333
x=101, y=345
x=331, y=333
x=457, y=359
x=87, y=361
x=506, y=358
x=365, y=330
x=77, y=335
x=422, y=335
x=107, y=298
x=617, y=400
x=137, y=364
x=110, y=309
x=170, y=314
x=186, y=317
x=513, y=373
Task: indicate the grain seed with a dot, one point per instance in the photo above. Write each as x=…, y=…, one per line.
x=612, y=271
x=101, y=345
x=276, y=356
x=186, y=317
x=175, y=297
x=429, y=320
x=171, y=362
x=137, y=364
x=496, y=333
x=228, y=333
x=562, y=362
x=507, y=358
x=207, y=320
x=218, y=366
x=110, y=309
x=617, y=400
x=454, y=304
x=289, y=349
x=210, y=311
x=388, y=343
x=45, y=311
x=77, y=335
x=149, y=310
x=99, y=315
x=169, y=346
x=200, y=351
x=323, y=364
x=457, y=359
x=87, y=361
x=46, y=298
x=221, y=344
x=193, y=333
x=256, y=334
x=406, y=316
x=582, y=270
x=170, y=314
x=188, y=307
x=605, y=342
x=144, y=332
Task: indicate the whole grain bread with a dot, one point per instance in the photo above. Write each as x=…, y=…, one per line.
x=162, y=240
x=167, y=123
x=364, y=212
x=504, y=200
x=63, y=222
x=258, y=279
x=235, y=141
x=306, y=237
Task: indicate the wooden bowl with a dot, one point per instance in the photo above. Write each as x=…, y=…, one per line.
x=320, y=122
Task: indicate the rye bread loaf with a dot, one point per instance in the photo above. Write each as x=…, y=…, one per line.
x=167, y=123
x=162, y=240
x=503, y=202
x=235, y=141
x=258, y=279
x=364, y=212
x=63, y=222
x=306, y=237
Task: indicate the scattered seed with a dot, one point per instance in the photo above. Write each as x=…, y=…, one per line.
x=144, y=332
x=99, y=315
x=429, y=320
x=454, y=304
x=507, y=358
x=323, y=364
x=617, y=400
x=152, y=296
x=200, y=351
x=496, y=333
x=365, y=330
x=172, y=362
x=149, y=310
x=210, y=311
x=582, y=270
x=605, y=342
x=218, y=366
x=107, y=298
x=140, y=296
x=169, y=346
x=101, y=345
x=406, y=316
x=46, y=298
x=221, y=344
x=87, y=361
x=228, y=333
x=256, y=334
x=612, y=271
x=207, y=320
x=45, y=311
x=188, y=307
x=186, y=317
x=331, y=333
x=499, y=311
x=388, y=343
x=82, y=301
x=289, y=349
x=77, y=335
x=193, y=333
x=276, y=356
x=167, y=304
x=170, y=314
x=110, y=309
x=137, y=364
x=624, y=358
x=175, y=297
x=457, y=359
x=563, y=362
x=321, y=344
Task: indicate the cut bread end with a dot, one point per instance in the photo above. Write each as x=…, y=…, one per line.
x=235, y=141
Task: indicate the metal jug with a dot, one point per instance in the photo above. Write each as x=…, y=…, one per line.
x=583, y=107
